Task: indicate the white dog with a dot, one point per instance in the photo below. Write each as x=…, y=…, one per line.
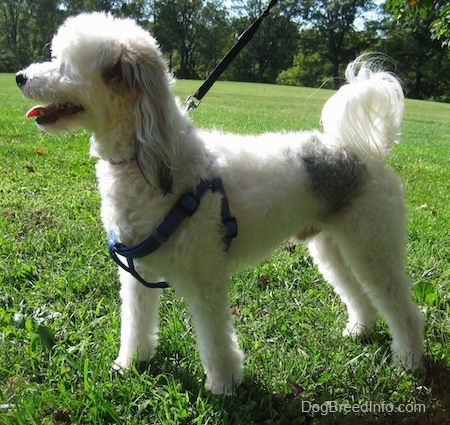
x=328, y=188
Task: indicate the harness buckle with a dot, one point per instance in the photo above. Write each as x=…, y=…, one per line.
x=188, y=204
x=231, y=231
x=231, y=227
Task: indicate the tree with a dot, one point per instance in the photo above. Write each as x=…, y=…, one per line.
x=44, y=17
x=309, y=70
x=12, y=25
x=140, y=10
x=335, y=22
x=213, y=37
x=73, y=7
x=192, y=34
x=176, y=27
x=437, y=13
x=26, y=27
x=420, y=60
x=301, y=41
x=271, y=49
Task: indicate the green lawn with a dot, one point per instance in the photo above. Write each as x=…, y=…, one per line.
x=59, y=305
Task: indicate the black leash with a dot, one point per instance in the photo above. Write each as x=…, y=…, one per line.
x=193, y=101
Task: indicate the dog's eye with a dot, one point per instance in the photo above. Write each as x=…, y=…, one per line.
x=65, y=70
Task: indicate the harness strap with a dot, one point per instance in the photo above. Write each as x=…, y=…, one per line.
x=185, y=207
x=228, y=222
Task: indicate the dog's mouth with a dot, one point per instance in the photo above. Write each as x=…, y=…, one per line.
x=52, y=113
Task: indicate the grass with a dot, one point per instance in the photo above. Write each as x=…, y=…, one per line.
x=59, y=306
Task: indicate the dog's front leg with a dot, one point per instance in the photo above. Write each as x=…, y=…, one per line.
x=217, y=340
x=139, y=322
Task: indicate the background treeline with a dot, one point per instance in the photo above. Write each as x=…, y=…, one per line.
x=301, y=42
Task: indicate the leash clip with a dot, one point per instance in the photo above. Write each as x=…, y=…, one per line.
x=192, y=102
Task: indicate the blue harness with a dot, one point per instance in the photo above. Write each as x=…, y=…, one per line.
x=185, y=207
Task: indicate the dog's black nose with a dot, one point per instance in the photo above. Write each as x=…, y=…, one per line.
x=21, y=79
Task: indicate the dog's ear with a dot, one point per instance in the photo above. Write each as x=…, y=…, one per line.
x=112, y=76
x=143, y=75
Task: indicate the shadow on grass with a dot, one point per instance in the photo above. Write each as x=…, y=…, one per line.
x=255, y=404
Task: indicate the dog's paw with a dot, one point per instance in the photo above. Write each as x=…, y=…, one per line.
x=221, y=385
x=357, y=328
x=221, y=388
x=121, y=365
x=354, y=330
x=409, y=361
x=131, y=355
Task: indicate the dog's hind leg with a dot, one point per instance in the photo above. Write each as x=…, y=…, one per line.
x=371, y=239
x=220, y=354
x=139, y=322
x=361, y=313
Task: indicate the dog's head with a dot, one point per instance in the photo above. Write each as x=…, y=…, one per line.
x=107, y=75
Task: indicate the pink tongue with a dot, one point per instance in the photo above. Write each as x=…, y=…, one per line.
x=39, y=110
x=34, y=111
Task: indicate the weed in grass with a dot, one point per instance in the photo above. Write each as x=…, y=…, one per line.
x=59, y=307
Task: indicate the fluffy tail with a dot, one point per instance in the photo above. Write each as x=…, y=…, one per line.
x=365, y=115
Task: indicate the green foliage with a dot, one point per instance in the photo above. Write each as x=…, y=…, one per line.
x=420, y=60
x=271, y=49
x=299, y=43
x=437, y=13
x=440, y=27
x=334, y=21
x=308, y=70
x=20, y=40
x=192, y=34
x=59, y=306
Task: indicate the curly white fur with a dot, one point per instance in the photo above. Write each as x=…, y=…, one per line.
x=330, y=188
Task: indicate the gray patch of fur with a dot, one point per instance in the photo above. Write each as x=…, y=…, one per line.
x=335, y=175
